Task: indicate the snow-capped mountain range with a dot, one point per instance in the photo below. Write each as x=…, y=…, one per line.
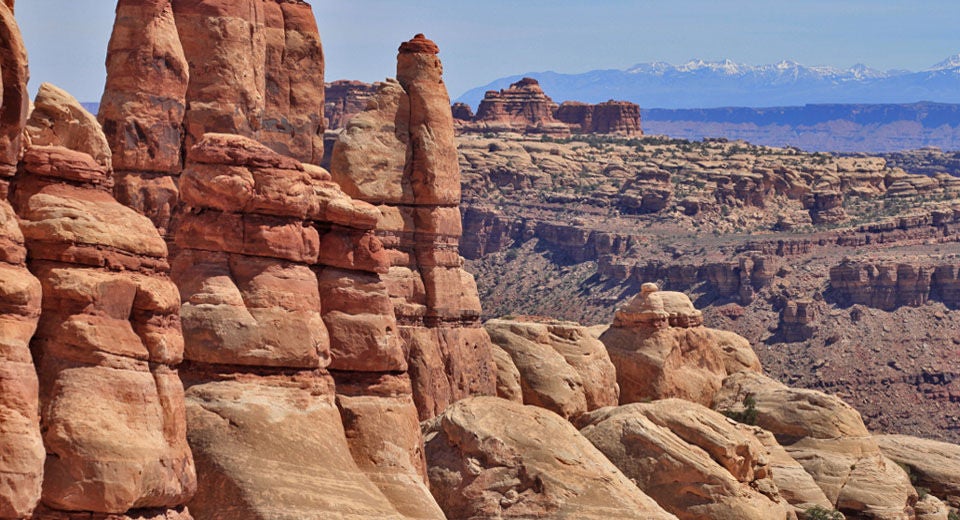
x=701, y=84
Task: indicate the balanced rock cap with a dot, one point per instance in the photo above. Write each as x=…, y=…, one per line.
x=419, y=45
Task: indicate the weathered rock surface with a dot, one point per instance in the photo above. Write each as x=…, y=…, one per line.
x=661, y=350
x=610, y=117
x=58, y=119
x=523, y=107
x=796, y=486
x=143, y=106
x=108, y=341
x=343, y=99
x=380, y=420
x=491, y=458
x=242, y=78
x=508, y=375
x=21, y=446
x=16, y=99
x=561, y=367
x=400, y=153
x=886, y=286
x=691, y=460
x=828, y=438
x=933, y=465
x=273, y=447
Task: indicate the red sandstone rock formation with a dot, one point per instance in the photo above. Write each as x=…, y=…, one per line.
x=21, y=447
x=610, y=117
x=143, y=107
x=288, y=327
x=108, y=343
x=661, y=350
x=523, y=107
x=16, y=100
x=401, y=155
x=884, y=285
x=344, y=99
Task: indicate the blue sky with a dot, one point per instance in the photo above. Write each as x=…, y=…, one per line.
x=484, y=40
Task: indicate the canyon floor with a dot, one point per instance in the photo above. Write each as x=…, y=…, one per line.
x=571, y=228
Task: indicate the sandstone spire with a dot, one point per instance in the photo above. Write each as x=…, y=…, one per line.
x=401, y=155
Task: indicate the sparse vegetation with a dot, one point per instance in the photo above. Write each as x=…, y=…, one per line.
x=749, y=413
x=820, y=513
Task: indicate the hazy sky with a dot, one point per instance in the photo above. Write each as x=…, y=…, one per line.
x=484, y=40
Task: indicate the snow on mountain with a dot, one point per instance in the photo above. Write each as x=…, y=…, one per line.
x=700, y=83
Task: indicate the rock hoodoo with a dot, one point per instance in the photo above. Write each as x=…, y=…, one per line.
x=21, y=446
x=661, y=349
x=400, y=154
x=108, y=342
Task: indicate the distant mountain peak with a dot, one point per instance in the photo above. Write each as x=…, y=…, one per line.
x=700, y=83
x=953, y=62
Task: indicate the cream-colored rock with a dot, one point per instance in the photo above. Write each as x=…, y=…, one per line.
x=21, y=447
x=58, y=119
x=931, y=508
x=935, y=465
x=546, y=379
x=685, y=471
x=828, y=438
x=508, y=376
x=274, y=448
x=796, y=486
x=368, y=159
x=492, y=458
x=665, y=362
x=382, y=429
x=791, y=412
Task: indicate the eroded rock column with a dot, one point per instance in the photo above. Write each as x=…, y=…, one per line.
x=107, y=345
x=401, y=155
x=21, y=447
x=263, y=420
x=143, y=107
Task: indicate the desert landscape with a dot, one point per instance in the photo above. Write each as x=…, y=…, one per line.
x=239, y=291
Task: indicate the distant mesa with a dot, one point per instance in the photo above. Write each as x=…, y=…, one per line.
x=522, y=108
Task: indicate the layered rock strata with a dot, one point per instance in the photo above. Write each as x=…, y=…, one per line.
x=888, y=285
x=344, y=99
x=263, y=243
x=523, y=107
x=179, y=69
x=21, y=446
x=931, y=464
x=108, y=344
x=143, y=106
x=610, y=117
x=400, y=154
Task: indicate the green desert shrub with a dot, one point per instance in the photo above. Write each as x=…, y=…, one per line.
x=819, y=513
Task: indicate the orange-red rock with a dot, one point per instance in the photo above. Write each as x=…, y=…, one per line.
x=21, y=447
x=400, y=153
x=108, y=342
x=16, y=99
x=294, y=89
